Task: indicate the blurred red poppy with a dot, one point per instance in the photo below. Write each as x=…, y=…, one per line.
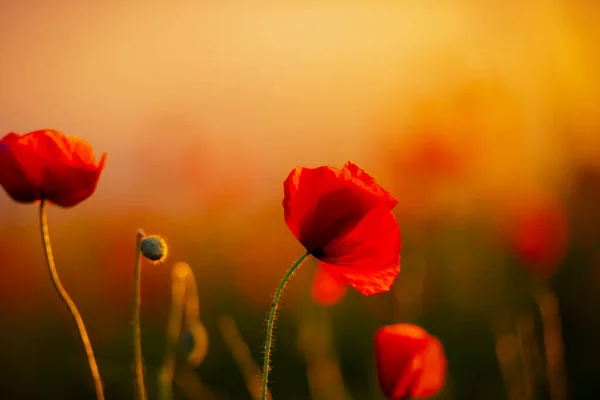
x=429, y=166
x=329, y=286
x=47, y=163
x=541, y=236
x=344, y=218
x=410, y=362
x=432, y=159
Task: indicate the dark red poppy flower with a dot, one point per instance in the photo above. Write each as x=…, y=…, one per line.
x=540, y=236
x=47, y=163
x=344, y=218
x=410, y=362
x=329, y=286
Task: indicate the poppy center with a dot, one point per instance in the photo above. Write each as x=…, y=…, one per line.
x=318, y=253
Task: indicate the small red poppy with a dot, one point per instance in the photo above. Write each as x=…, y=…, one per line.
x=329, y=286
x=344, y=218
x=47, y=163
x=541, y=236
x=410, y=362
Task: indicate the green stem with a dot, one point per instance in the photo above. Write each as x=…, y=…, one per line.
x=271, y=320
x=137, y=336
x=64, y=296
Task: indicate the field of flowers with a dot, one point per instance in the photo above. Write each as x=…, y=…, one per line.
x=300, y=201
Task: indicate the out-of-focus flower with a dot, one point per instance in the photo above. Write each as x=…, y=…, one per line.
x=428, y=158
x=410, y=362
x=540, y=235
x=328, y=286
x=48, y=164
x=432, y=159
x=429, y=168
x=448, y=151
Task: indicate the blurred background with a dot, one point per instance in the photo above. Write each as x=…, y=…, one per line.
x=481, y=117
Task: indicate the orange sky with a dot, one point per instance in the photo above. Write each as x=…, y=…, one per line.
x=260, y=89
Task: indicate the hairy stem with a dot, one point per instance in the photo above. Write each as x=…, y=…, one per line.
x=137, y=336
x=241, y=355
x=270, y=322
x=64, y=296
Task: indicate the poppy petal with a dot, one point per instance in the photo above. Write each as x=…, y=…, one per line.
x=25, y=157
x=395, y=349
x=299, y=202
x=48, y=163
x=329, y=286
x=356, y=172
x=369, y=255
x=541, y=236
x=68, y=186
x=16, y=184
x=323, y=203
x=432, y=365
x=410, y=362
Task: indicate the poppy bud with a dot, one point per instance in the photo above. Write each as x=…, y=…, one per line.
x=410, y=362
x=154, y=248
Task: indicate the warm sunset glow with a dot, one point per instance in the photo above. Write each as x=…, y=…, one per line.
x=479, y=118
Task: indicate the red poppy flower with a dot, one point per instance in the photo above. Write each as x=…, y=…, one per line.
x=410, y=362
x=541, y=236
x=329, y=286
x=344, y=218
x=47, y=163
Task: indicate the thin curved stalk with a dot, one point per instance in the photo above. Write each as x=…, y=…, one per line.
x=64, y=296
x=271, y=321
x=184, y=309
x=137, y=335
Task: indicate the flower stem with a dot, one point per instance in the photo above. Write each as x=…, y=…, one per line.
x=137, y=339
x=64, y=296
x=271, y=320
x=547, y=302
x=185, y=310
x=178, y=293
x=241, y=355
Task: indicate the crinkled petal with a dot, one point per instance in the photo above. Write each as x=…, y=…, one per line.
x=322, y=204
x=48, y=163
x=369, y=255
x=67, y=185
x=26, y=156
x=14, y=181
x=356, y=172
